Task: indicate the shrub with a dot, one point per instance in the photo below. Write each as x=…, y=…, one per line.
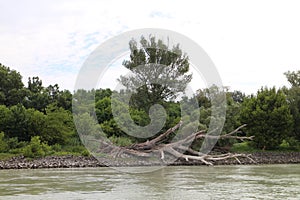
x=13, y=143
x=36, y=148
x=85, y=153
x=120, y=141
x=56, y=147
x=290, y=144
x=268, y=118
x=242, y=147
x=3, y=144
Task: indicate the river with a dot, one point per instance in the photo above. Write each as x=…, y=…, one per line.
x=177, y=182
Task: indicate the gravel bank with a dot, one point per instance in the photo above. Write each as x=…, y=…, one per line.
x=81, y=161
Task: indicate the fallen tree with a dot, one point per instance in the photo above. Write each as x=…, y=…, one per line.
x=180, y=149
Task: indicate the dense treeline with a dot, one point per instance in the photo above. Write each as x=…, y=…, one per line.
x=36, y=120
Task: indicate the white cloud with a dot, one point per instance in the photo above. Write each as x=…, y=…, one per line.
x=251, y=43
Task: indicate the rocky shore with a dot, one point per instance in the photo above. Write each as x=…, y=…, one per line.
x=81, y=161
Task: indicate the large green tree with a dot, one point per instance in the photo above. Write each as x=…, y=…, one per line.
x=10, y=86
x=59, y=125
x=19, y=122
x=159, y=72
x=37, y=97
x=268, y=118
x=5, y=118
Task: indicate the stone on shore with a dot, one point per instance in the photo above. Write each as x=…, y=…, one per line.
x=71, y=161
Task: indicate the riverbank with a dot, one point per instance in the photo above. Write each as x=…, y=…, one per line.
x=82, y=161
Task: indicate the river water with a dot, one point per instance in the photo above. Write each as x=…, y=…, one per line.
x=178, y=182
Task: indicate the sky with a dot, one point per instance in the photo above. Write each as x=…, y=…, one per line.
x=252, y=43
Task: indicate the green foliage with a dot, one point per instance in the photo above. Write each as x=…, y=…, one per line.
x=243, y=147
x=36, y=148
x=56, y=147
x=64, y=100
x=77, y=149
x=9, y=144
x=203, y=98
x=59, y=125
x=3, y=144
x=120, y=141
x=140, y=117
x=294, y=101
x=13, y=143
x=36, y=123
x=237, y=96
x=37, y=96
x=293, y=97
x=6, y=156
x=5, y=118
x=34, y=116
x=102, y=93
x=232, y=121
x=18, y=123
x=290, y=144
x=85, y=153
x=10, y=86
x=173, y=114
x=87, y=125
x=159, y=63
x=293, y=78
x=232, y=114
x=83, y=101
x=268, y=117
x=111, y=128
x=103, y=110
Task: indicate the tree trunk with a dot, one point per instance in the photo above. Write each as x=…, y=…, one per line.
x=178, y=149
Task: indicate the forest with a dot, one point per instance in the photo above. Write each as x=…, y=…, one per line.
x=38, y=120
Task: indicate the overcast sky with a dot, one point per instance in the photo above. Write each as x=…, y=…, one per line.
x=252, y=43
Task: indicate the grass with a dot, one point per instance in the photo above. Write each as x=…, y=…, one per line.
x=245, y=147
x=69, y=150
x=7, y=156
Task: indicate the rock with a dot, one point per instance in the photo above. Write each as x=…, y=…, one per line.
x=80, y=161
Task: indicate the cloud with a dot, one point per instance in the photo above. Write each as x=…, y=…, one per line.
x=159, y=14
x=251, y=44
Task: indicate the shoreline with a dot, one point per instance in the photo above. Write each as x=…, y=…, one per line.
x=71, y=161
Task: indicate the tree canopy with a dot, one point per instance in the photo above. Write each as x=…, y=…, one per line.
x=159, y=72
x=293, y=78
x=293, y=97
x=268, y=118
x=36, y=120
x=10, y=86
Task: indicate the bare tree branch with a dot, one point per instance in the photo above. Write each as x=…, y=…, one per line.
x=178, y=149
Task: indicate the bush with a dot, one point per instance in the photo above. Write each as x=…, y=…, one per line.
x=56, y=147
x=290, y=144
x=268, y=118
x=77, y=150
x=74, y=149
x=36, y=148
x=13, y=143
x=3, y=144
x=85, y=153
x=243, y=147
x=120, y=141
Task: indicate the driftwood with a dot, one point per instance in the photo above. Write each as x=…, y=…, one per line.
x=178, y=149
